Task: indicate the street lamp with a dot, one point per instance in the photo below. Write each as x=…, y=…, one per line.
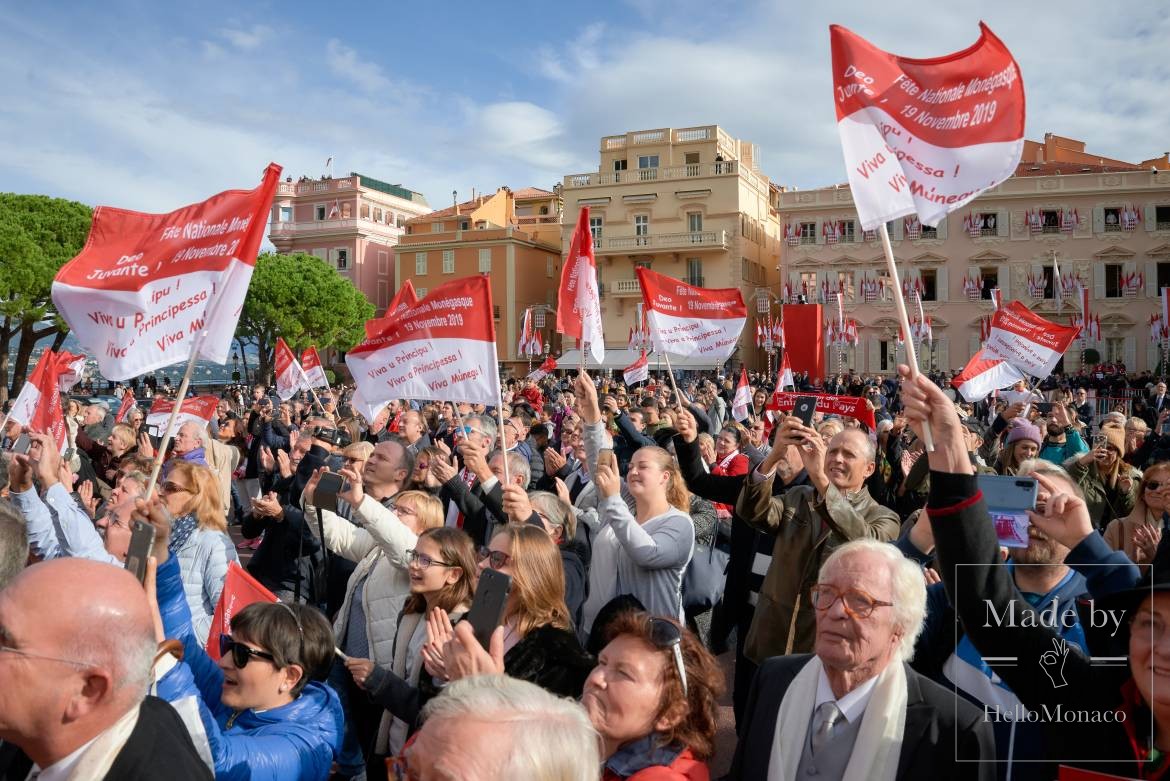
x=764, y=299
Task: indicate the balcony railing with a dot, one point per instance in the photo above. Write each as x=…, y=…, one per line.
x=316, y=186
x=626, y=287
x=1162, y=225
x=692, y=170
x=694, y=240
x=537, y=219
x=303, y=227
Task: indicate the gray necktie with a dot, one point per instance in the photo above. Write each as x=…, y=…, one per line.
x=826, y=717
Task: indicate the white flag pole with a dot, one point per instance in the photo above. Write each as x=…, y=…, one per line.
x=503, y=441
x=180, y=395
x=309, y=385
x=673, y=384
x=900, y=303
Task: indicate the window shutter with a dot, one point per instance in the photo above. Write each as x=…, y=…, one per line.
x=875, y=355
x=1153, y=355
x=942, y=289
x=896, y=230
x=1130, y=353
x=1098, y=219
x=1001, y=223
x=944, y=360
x=1004, y=278
x=942, y=227
x=1018, y=226
x=973, y=343
x=1098, y=282
x=1151, y=223
x=820, y=227
x=1151, y=279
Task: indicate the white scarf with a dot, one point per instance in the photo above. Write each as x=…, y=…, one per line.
x=98, y=757
x=726, y=462
x=879, y=740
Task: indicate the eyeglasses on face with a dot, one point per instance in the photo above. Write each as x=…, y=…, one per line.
x=423, y=561
x=1153, y=485
x=241, y=654
x=30, y=655
x=170, y=487
x=857, y=603
x=495, y=558
x=666, y=635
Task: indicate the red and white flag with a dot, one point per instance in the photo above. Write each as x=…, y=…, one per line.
x=636, y=372
x=982, y=375
x=442, y=348
x=925, y=137
x=542, y=371
x=366, y=409
x=405, y=297
x=314, y=371
x=197, y=409
x=147, y=288
x=996, y=298
x=239, y=590
x=692, y=321
x=127, y=405
x=1027, y=341
x=525, y=345
x=38, y=406
x=578, y=299
x=290, y=380
x=784, y=377
x=741, y=404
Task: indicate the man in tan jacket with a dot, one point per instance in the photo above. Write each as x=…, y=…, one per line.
x=808, y=523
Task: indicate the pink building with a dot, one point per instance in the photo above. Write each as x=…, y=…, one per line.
x=353, y=223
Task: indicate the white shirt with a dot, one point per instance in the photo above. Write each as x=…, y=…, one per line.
x=852, y=705
x=62, y=768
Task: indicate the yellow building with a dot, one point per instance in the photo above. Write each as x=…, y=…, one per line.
x=689, y=203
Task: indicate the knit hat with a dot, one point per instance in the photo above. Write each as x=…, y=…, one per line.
x=1116, y=437
x=1022, y=429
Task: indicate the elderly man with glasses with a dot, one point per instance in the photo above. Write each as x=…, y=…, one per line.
x=855, y=708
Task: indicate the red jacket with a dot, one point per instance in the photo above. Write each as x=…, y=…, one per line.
x=684, y=768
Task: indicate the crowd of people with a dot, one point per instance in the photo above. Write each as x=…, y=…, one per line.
x=852, y=577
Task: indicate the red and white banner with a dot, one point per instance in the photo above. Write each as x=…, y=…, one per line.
x=849, y=406
x=442, y=348
x=146, y=288
x=692, y=321
x=290, y=380
x=197, y=409
x=1027, y=341
x=239, y=590
x=545, y=369
x=38, y=406
x=366, y=409
x=578, y=299
x=925, y=137
x=982, y=375
x=311, y=364
x=636, y=372
x=127, y=405
x=741, y=404
x=405, y=297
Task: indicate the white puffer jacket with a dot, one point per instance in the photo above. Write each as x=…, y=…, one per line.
x=203, y=562
x=378, y=541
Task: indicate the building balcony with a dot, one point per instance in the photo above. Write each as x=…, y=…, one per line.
x=625, y=288
x=538, y=219
x=288, y=230
x=645, y=175
x=636, y=245
x=682, y=135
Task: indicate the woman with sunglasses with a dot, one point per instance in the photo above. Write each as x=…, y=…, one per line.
x=266, y=715
x=199, y=538
x=443, y=573
x=1138, y=534
x=652, y=699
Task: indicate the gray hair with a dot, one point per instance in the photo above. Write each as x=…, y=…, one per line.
x=868, y=447
x=517, y=465
x=906, y=582
x=551, y=738
x=197, y=432
x=13, y=542
x=485, y=423
x=556, y=511
x=1041, y=466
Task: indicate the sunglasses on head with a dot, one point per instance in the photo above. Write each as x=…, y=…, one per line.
x=666, y=635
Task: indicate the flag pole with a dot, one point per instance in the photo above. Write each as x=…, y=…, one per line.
x=900, y=303
x=503, y=445
x=309, y=385
x=179, y=396
x=673, y=384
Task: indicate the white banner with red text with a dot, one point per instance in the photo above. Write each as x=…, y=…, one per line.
x=692, y=321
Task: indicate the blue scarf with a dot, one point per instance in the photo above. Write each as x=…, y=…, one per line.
x=181, y=532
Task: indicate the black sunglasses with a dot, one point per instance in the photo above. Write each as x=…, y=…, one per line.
x=241, y=654
x=495, y=558
x=666, y=635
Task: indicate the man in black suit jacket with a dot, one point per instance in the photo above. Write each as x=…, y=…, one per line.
x=869, y=604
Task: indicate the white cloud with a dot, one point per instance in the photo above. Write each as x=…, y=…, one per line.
x=344, y=62
x=249, y=39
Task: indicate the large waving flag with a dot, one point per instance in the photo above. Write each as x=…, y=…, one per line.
x=405, y=297
x=314, y=371
x=578, y=299
x=443, y=347
x=636, y=372
x=239, y=590
x=982, y=375
x=692, y=321
x=925, y=137
x=38, y=406
x=147, y=288
x=290, y=378
x=1027, y=341
x=197, y=409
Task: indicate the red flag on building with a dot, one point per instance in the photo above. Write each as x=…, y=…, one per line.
x=147, y=288
x=692, y=321
x=925, y=136
x=578, y=299
x=239, y=590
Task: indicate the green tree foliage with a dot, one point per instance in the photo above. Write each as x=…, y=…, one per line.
x=38, y=234
x=303, y=299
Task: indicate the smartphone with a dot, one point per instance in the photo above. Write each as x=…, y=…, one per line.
x=325, y=497
x=604, y=455
x=1008, y=492
x=803, y=408
x=141, y=543
x=1100, y=440
x=22, y=444
x=1044, y=407
x=487, y=610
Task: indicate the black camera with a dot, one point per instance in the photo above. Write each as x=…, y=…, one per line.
x=334, y=436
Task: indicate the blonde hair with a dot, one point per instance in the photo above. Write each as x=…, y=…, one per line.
x=677, y=495
x=362, y=450
x=538, y=580
x=427, y=508
x=206, y=503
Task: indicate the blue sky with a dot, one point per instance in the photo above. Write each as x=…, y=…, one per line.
x=152, y=105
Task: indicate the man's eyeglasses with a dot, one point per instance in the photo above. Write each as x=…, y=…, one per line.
x=857, y=603
x=664, y=635
x=495, y=558
x=424, y=561
x=30, y=655
x=241, y=654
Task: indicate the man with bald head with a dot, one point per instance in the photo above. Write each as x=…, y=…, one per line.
x=808, y=522
x=76, y=672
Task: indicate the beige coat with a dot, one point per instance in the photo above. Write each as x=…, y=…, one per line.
x=1119, y=533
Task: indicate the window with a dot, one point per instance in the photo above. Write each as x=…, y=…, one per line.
x=887, y=356
x=1050, y=221
x=1113, y=220
x=990, y=277
x=383, y=262
x=845, y=283
x=642, y=229
x=436, y=227
x=377, y=214
x=319, y=212
x=1163, y=276
x=1049, y=284
x=383, y=294
x=549, y=262
x=364, y=211
x=986, y=223
x=401, y=222
x=809, y=285
x=496, y=312
x=1113, y=274
x=464, y=225
x=695, y=223
x=927, y=232
x=648, y=167
x=420, y=263
x=929, y=277
x=342, y=259
x=848, y=232
x=448, y=261
x=421, y=292
x=595, y=225
x=286, y=213
x=618, y=167
x=346, y=210
x=691, y=160
x=694, y=272
x=1115, y=349
x=323, y=254
x=1162, y=218
x=485, y=262
x=808, y=233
